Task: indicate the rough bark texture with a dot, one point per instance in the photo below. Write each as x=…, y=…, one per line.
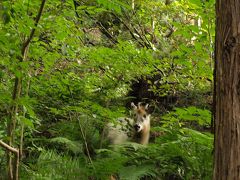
x=227, y=117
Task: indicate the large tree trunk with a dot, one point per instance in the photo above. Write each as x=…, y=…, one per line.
x=227, y=94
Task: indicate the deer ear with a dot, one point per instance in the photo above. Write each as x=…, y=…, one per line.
x=133, y=106
x=149, y=109
x=146, y=106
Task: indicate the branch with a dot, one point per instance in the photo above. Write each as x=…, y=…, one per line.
x=148, y=43
x=14, y=174
x=9, y=148
x=75, y=8
x=27, y=42
x=102, y=28
x=171, y=30
x=81, y=131
x=107, y=33
x=129, y=29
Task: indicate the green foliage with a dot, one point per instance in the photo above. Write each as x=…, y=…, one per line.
x=51, y=165
x=190, y=114
x=180, y=153
x=183, y=153
x=66, y=145
x=78, y=71
x=113, y=5
x=107, y=163
x=136, y=172
x=2, y=163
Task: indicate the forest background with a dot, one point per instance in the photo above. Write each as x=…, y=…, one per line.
x=70, y=67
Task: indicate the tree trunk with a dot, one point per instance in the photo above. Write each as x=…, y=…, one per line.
x=227, y=94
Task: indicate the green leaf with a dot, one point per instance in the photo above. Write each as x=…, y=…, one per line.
x=27, y=122
x=114, y=5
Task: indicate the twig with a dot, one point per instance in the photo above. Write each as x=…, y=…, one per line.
x=104, y=30
x=9, y=148
x=108, y=34
x=16, y=164
x=22, y=126
x=129, y=29
x=27, y=42
x=82, y=133
x=85, y=141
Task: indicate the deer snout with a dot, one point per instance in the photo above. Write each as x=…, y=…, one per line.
x=137, y=127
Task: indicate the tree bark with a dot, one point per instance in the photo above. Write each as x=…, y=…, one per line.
x=227, y=116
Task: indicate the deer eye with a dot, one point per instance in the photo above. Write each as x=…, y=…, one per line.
x=144, y=115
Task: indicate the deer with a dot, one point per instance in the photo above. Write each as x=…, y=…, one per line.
x=136, y=129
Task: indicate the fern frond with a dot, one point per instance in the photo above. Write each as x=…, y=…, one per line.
x=136, y=172
x=69, y=145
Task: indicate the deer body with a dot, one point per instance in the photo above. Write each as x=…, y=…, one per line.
x=137, y=129
x=119, y=133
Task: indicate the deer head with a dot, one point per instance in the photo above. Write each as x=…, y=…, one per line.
x=142, y=117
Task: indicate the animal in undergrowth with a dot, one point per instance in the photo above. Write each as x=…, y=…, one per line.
x=127, y=129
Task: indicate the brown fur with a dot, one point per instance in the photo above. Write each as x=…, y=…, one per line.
x=142, y=137
x=141, y=111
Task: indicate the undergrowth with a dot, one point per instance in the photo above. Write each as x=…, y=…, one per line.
x=178, y=153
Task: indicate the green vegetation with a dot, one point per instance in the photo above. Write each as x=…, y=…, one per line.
x=82, y=68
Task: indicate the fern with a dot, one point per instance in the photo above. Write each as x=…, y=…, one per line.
x=108, y=162
x=183, y=153
x=51, y=165
x=67, y=145
x=137, y=172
